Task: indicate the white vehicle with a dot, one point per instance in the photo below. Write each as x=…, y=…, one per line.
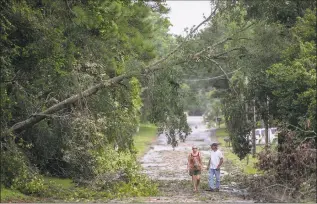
x=260, y=138
x=273, y=132
x=260, y=135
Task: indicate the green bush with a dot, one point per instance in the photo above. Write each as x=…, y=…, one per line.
x=97, y=163
x=121, y=172
x=17, y=173
x=136, y=183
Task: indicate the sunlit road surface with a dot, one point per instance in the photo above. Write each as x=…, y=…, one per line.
x=161, y=162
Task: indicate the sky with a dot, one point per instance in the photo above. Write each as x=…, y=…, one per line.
x=187, y=14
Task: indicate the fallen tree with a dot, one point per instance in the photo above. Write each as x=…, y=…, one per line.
x=37, y=117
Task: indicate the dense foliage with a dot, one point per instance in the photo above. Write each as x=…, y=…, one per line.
x=261, y=55
x=253, y=63
x=259, y=58
x=52, y=50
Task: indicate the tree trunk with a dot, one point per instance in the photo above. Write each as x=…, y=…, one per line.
x=253, y=132
x=247, y=120
x=266, y=132
x=35, y=118
x=253, y=143
x=266, y=122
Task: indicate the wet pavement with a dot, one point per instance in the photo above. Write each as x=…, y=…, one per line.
x=167, y=167
x=162, y=162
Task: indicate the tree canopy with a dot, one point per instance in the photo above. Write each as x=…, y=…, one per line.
x=78, y=78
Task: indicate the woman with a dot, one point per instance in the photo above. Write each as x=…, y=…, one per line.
x=194, y=166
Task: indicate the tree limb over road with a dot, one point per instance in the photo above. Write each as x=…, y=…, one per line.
x=37, y=117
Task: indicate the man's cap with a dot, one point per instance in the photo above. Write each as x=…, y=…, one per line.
x=214, y=144
x=194, y=147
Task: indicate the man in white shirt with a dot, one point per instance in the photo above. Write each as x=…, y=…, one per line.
x=214, y=164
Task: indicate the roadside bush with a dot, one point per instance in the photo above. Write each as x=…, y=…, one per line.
x=292, y=164
x=46, y=141
x=120, y=173
x=17, y=173
x=97, y=163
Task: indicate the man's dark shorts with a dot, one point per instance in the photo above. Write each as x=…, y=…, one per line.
x=194, y=172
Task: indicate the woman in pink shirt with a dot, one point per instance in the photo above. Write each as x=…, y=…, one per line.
x=194, y=166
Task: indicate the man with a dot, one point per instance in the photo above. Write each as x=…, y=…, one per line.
x=194, y=166
x=214, y=164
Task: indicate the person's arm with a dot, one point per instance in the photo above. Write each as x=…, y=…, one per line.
x=188, y=162
x=221, y=161
x=208, y=164
x=201, y=161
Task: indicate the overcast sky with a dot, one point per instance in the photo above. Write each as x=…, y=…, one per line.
x=186, y=14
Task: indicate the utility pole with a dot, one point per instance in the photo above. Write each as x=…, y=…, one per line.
x=253, y=132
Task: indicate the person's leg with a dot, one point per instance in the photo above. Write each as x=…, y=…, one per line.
x=193, y=181
x=211, y=179
x=191, y=173
x=198, y=181
x=217, y=173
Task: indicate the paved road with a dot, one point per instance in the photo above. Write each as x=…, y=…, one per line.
x=164, y=163
x=168, y=167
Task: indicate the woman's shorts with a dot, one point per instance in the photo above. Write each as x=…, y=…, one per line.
x=194, y=172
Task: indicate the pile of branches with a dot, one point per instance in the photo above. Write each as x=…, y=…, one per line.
x=289, y=170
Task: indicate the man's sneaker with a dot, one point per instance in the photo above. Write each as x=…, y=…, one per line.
x=217, y=190
x=212, y=190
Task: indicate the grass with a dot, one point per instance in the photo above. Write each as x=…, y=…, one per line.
x=144, y=138
x=221, y=132
x=247, y=167
x=60, y=182
x=9, y=195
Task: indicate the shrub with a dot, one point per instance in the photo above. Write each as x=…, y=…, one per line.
x=293, y=163
x=16, y=171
